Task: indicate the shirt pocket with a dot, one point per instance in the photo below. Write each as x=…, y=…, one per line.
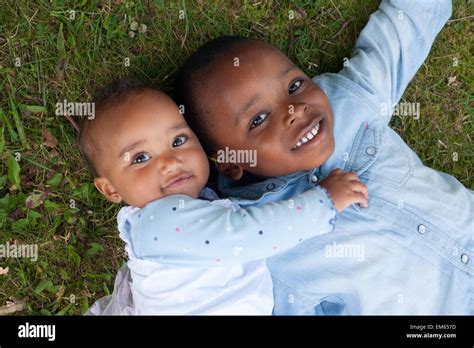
x=376, y=156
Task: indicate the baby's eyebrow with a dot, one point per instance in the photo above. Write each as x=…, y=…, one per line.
x=130, y=147
x=178, y=126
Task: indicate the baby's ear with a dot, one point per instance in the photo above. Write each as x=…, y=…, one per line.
x=105, y=187
x=231, y=170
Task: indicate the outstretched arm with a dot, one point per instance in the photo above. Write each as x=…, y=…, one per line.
x=180, y=231
x=392, y=47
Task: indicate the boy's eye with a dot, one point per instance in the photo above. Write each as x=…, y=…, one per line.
x=294, y=86
x=140, y=158
x=258, y=120
x=179, y=140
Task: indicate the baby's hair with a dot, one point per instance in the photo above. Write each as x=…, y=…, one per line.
x=190, y=79
x=113, y=94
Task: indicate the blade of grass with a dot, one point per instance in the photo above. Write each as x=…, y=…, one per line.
x=18, y=123
x=13, y=135
x=13, y=171
x=60, y=43
x=2, y=139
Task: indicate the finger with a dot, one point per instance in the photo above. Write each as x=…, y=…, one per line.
x=360, y=198
x=360, y=187
x=351, y=176
x=337, y=171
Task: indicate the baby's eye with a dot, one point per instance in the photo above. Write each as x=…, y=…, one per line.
x=140, y=158
x=258, y=120
x=295, y=85
x=179, y=140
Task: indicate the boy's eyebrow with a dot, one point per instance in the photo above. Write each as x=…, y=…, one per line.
x=130, y=147
x=256, y=97
x=287, y=70
x=248, y=105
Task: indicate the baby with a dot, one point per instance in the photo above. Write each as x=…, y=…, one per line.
x=415, y=239
x=143, y=153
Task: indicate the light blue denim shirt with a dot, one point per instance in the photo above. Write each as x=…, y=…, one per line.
x=412, y=250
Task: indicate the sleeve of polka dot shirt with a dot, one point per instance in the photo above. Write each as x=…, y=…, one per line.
x=180, y=231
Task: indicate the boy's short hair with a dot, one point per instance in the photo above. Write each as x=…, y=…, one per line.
x=113, y=94
x=190, y=78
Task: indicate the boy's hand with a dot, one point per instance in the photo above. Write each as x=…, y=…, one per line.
x=345, y=189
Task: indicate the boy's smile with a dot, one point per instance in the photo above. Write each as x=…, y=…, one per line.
x=147, y=151
x=312, y=135
x=260, y=100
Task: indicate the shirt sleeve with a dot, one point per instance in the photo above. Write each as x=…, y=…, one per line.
x=392, y=47
x=180, y=231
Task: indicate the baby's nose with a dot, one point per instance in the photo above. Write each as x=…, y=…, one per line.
x=168, y=164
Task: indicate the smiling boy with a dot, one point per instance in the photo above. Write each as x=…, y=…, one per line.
x=417, y=232
x=295, y=133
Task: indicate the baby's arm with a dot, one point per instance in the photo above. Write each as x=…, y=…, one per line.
x=392, y=47
x=180, y=231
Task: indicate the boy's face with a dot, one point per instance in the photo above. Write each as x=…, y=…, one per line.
x=266, y=103
x=147, y=151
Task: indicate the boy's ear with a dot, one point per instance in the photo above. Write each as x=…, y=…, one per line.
x=106, y=188
x=231, y=170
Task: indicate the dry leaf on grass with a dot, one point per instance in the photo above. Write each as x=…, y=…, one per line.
x=12, y=307
x=50, y=140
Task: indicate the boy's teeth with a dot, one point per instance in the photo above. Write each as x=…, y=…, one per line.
x=310, y=135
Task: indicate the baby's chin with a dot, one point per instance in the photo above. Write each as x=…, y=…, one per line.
x=194, y=193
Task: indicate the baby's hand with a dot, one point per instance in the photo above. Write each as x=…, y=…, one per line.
x=345, y=189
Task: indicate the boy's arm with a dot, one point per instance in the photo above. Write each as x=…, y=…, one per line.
x=180, y=231
x=392, y=47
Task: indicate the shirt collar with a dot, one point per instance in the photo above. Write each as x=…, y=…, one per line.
x=249, y=186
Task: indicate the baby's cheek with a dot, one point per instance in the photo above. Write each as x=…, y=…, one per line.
x=145, y=190
x=199, y=163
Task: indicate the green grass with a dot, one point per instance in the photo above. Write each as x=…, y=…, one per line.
x=60, y=58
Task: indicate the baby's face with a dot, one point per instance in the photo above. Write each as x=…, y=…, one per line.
x=147, y=151
x=266, y=103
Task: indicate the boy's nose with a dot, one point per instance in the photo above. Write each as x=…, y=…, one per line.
x=295, y=111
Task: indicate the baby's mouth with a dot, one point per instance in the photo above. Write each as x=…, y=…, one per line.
x=311, y=135
x=177, y=181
